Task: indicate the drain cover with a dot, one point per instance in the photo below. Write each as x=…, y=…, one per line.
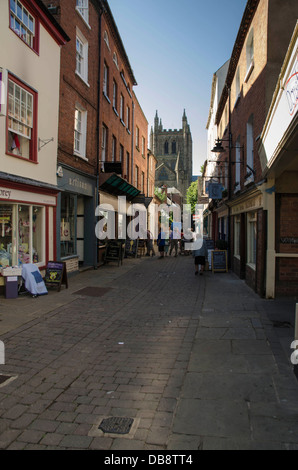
x=116, y=425
x=93, y=291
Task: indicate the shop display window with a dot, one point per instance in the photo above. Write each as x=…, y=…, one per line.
x=22, y=234
x=67, y=226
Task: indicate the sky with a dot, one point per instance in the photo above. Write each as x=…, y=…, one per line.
x=174, y=48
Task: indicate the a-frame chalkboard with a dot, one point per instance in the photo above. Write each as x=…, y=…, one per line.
x=219, y=261
x=56, y=274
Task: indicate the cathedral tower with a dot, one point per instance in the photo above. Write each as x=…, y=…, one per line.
x=173, y=151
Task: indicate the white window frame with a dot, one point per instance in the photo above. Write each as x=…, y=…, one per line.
x=237, y=227
x=250, y=147
x=252, y=239
x=104, y=137
x=249, y=55
x=22, y=22
x=121, y=107
x=115, y=92
x=105, y=80
x=81, y=56
x=80, y=132
x=82, y=6
x=237, y=165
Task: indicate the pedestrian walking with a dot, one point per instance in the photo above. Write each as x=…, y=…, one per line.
x=200, y=253
x=174, y=241
x=149, y=243
x=161, y=240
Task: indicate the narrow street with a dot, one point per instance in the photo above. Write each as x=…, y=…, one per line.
x=190, y=362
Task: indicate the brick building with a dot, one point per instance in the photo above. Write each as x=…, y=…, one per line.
x=241, y=216
x=279, y=160
x=31, y=43
x=103, y=133
x=78, y=143
x=122, y=124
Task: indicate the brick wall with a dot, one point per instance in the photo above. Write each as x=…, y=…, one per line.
x=286, y=242
x=73, y=90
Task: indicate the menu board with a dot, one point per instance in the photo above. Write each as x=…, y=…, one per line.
x=56, y=274
x=219, y=261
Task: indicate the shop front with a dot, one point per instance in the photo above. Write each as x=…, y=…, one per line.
x=27, y=223
x=249, y=232
x=76, y=240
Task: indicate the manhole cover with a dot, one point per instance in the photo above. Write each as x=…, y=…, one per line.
x=93, y=291
x=116, y=425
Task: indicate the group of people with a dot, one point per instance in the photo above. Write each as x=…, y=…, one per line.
x=200, y=252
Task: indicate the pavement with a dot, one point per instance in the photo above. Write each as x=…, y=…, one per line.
x=148, y=356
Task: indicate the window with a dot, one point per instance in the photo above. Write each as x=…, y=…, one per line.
x=237, y=165
x=142, y=182
x=122, y=107
x=106, y=39
x=24, y=24
x=249, y=54
x=81, y=56
x=115, y=59
x=143, y=147
x=22, y=140
x=137, y=137
x=67, y=225
x=80, y=132
x=174, y=147
x=127, y=166
x=115, y=93
x=82, y=7
x=104, y=144
x=237, y=236
x=114, y=145
x=166, y=148
x=121, y=153
x=252, y=238
x=136, y=176
x=22, y=234
x=237, y=84
x=249, y=149
x=105, y=80
x=127, y=117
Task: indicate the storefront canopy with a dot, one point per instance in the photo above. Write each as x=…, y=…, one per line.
x=117, y=186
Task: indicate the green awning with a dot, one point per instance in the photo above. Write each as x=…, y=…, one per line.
x=117, y=186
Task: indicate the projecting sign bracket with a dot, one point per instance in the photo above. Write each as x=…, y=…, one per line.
x=44, y=142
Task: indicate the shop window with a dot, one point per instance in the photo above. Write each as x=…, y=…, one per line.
x=67, y=226
x=6, y=235
x=252, y=239
x=21, y=121
x=22, y=234
x=23, y=22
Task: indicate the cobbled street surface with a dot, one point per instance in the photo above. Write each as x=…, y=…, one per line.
x=195, y=361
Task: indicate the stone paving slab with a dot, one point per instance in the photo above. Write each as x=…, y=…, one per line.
x=195, y=361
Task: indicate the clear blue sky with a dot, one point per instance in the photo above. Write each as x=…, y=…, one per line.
x=174, y=47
